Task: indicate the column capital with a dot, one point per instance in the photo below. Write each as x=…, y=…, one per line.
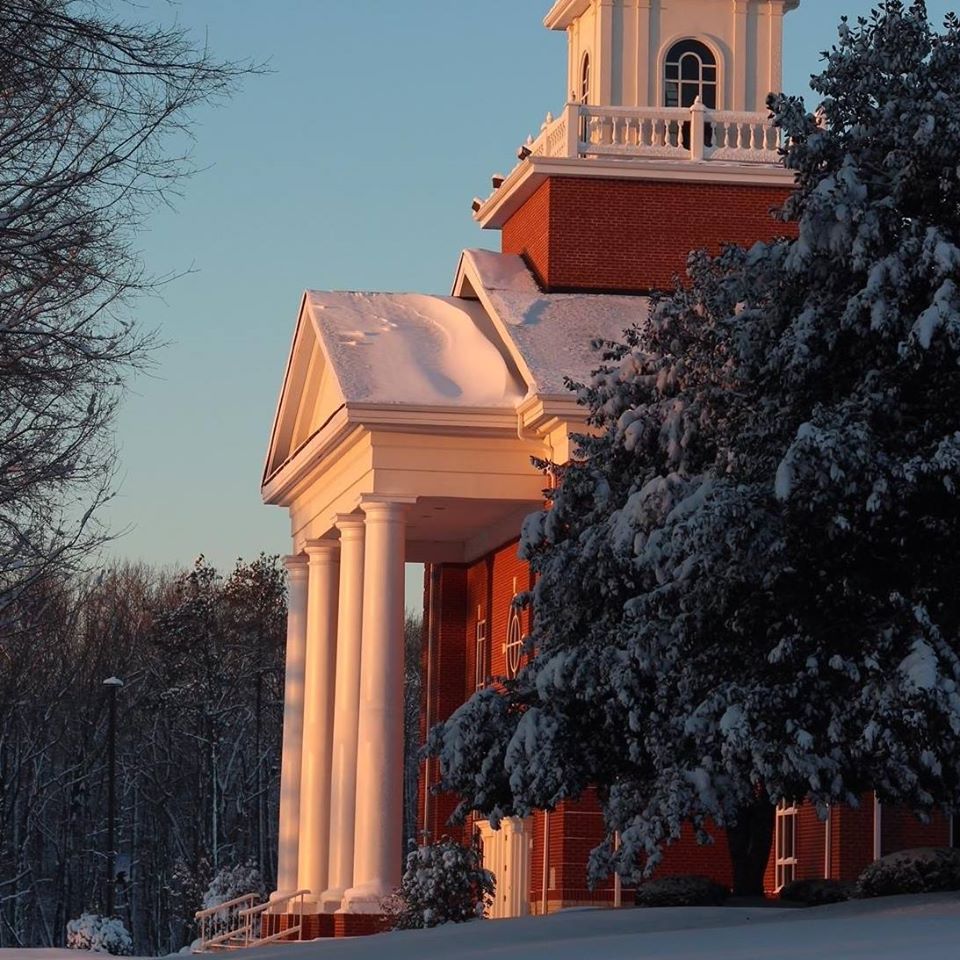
x=320, y=550
x=296, y=565
x=385, y=508
x=350, y=525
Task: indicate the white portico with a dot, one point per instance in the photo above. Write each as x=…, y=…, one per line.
x=404, y=433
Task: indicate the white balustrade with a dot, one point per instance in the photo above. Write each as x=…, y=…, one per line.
x=641, y=132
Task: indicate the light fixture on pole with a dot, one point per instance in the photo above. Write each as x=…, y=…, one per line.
x=113, y=684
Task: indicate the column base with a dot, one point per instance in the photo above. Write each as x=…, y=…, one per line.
x=280, y=903
x=366, y=899
x=331, y=901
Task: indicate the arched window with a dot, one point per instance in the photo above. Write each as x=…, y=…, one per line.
x=690, y=72
x=585, y=79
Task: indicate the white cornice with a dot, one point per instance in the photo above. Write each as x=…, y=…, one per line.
x=277, y=487
x=353, y=420
x=564, y=12
x=474, y=421
x=535, y=170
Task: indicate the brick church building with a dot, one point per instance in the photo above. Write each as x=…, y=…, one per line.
x=406, y=427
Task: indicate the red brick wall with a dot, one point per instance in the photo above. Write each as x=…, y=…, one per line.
x=528, y=232
x=901, y=830
x=633, y=235
x=444, y=691
x=484, y=590
x=852, y=838
x=686, y=857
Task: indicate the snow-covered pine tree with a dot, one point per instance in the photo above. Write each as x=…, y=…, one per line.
x=748, y=583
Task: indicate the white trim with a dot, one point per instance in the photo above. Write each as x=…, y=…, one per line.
x=785, y=865
x=877, y=828
x=359, y=418
x=481, y=652
x=828, y=844
x=564, y=12
x=513, y=646
x=528, y=176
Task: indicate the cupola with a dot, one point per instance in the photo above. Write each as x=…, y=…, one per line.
x=665, y=53
x=664, y=145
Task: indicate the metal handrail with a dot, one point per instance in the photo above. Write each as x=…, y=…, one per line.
x=297, y=929
x=223, y=915
x=226, y=905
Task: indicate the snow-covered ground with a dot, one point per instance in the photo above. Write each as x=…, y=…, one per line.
x=896, y=928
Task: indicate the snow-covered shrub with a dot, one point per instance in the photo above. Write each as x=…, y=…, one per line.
x=680, y=892
x=229, y=883
x=815, y=893
x=444, y=882
x=924, y=870
x=99, y=934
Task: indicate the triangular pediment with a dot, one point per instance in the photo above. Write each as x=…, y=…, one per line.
x=310, y=397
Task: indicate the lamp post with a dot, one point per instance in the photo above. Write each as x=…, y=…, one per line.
x=113, y=684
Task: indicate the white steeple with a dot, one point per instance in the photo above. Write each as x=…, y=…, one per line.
x=665, y=53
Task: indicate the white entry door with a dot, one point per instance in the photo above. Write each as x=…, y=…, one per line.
x=506, y=854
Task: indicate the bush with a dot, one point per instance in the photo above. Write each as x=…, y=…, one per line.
x=229, y=883
x=815, y=893
x=925, y=870
x=99, y=934
x=444, y=882
x=681, y=892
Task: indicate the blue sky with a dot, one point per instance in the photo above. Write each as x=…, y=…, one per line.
x=351, y=166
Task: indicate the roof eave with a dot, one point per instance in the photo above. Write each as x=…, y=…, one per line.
x=563, y=13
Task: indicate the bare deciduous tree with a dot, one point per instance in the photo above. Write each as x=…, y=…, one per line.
x=94, y=132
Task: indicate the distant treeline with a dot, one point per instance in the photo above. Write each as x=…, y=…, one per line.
x=199, y=726
x=198, y=744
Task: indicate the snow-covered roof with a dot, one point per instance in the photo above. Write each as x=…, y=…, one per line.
x=471, y=361
x=551, y=333
x=393, y=348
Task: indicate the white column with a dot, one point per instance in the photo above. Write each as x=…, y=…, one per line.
x=292, y=752
x=775, y=82
x=646, y=59
x=318, y=715
x=343, y=795
x=379, y=824
x=737, y=84
x=604, y=57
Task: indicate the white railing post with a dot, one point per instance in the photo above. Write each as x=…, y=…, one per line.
x=698, y=117
x=572, y=115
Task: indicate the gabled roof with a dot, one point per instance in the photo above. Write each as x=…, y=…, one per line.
x=480, y=360
x=354, y=351
x=550, y=335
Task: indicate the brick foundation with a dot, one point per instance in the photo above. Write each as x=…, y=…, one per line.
x=319, y=926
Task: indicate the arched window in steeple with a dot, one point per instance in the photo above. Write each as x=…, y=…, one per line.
x=585, y=79
x=690, y=71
